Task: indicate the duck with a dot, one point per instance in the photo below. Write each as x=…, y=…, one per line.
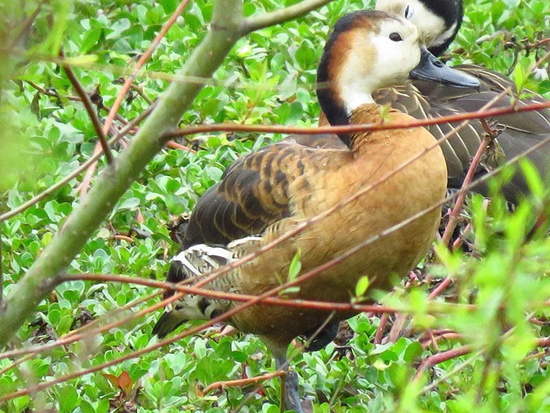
x=278, y=188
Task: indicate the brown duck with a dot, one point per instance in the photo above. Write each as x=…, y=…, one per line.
x=270, y=191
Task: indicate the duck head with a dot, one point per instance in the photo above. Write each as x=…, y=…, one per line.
x=437, y=21
x=369, y=50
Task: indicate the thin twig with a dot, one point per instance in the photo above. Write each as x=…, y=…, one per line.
x=381, y=328
x=16, y=363
x=91, y=113
x=142, y=60
x=240, y=382
x=318, y=305
x=434, y=339
x=51, y=93
x=175, y=145
x=253, y=255
x=401, y=320
x=300, y=227
x=490, y=135
x=441, y=357
x=282, y=15
x=451, y=373
x=231, y=127
x=27, y=24
x=453, y=217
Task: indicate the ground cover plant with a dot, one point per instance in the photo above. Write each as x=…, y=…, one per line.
x=493, y=355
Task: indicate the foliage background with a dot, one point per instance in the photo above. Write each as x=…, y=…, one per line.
x=268, y=78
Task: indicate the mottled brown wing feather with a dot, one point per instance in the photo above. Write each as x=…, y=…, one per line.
x=252, y=194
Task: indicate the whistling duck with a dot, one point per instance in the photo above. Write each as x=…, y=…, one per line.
x=271, y=191
x=438, y=22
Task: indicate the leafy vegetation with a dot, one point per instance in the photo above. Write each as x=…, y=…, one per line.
x=269, y=77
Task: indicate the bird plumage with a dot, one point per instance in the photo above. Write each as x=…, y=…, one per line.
x=272, y=191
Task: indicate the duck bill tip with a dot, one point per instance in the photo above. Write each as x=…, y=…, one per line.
x=432, y=69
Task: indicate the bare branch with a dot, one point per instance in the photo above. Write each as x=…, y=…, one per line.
x=142, y=60
x=451, y=373
x=401, y=319
x=221, y=295
x=90, y=110
x=280, y=16
x=441, y=357
x=381, y=327
x=230, y=127
x=490, y=135
x=240, y=382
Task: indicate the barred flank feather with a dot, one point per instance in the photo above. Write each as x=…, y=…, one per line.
x=194, y=263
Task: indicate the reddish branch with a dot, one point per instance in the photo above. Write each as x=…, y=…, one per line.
x=300, y=227
x=441, y=357
x=240, y=382
x=230, y=127
x=318, y=305
x=381, y=327
x=401, y=319
x=300, y=279
x=222, y=295
x=175, y=145
x=235, y=310
x=490, y=135
x=142, y=60
x=121, y=237
x=433, y=339
x=461, y=351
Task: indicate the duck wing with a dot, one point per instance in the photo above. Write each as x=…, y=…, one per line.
x=253, y=194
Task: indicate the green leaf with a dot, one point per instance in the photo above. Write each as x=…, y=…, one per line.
x=295, y=266
x=68, y=398
x=533, y=178
x=362, y=286
x=413, y=351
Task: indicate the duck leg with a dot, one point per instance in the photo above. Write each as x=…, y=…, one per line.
x=323, y=336
x=290, y=397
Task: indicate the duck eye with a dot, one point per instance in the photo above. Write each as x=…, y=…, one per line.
x=409, y=11
x=396, y=37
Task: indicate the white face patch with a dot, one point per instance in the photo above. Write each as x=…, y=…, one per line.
x=431, y=27
x=376, y=60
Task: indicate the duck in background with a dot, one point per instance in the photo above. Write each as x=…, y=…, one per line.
x=438, y=22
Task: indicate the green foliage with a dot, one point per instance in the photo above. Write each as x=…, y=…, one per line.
x=268, y=78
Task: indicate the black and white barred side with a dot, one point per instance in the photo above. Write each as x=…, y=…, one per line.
x=193, y=264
